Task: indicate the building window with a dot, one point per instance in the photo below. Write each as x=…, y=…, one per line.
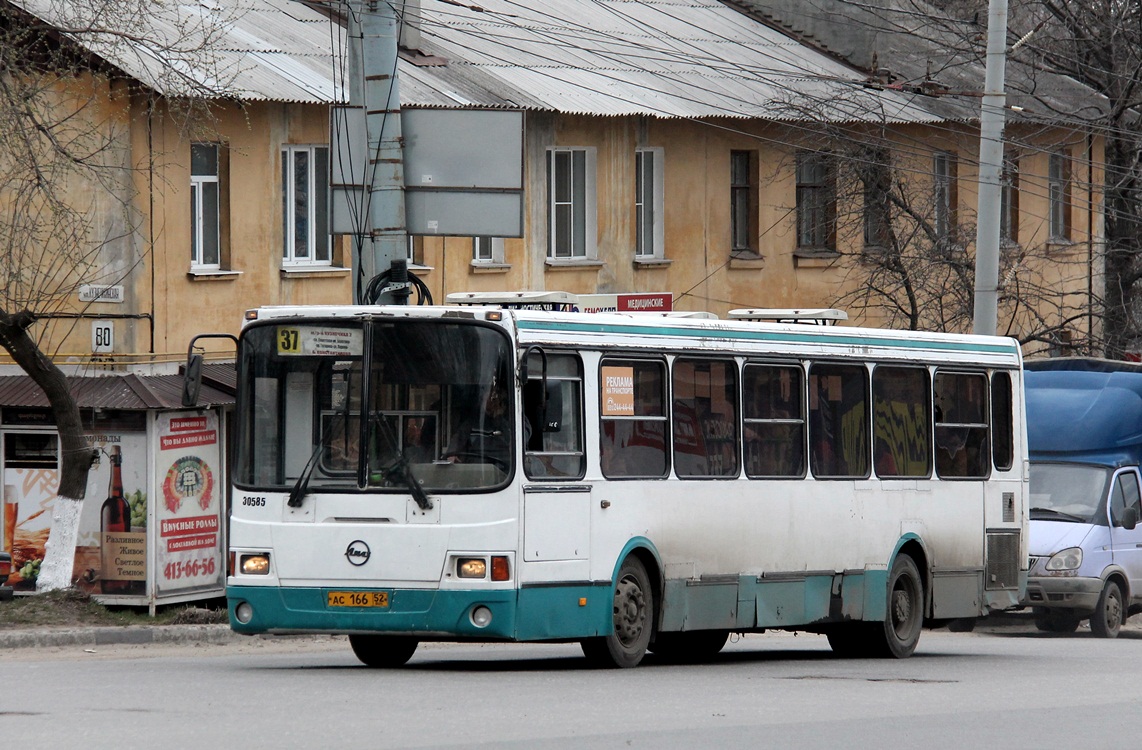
x=205, y=229
x=648, y=203
x=1009, y=201
x=815, y=201
x=305, y=219
x=1059, y=192
x=488, y=250
x=944, y=194
x=874, y=171
x=743, y=201
x=571, y=203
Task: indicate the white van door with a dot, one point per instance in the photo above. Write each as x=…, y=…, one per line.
x=1126, y=544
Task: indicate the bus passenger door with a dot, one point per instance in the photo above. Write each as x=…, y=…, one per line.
x=556, y=522
x=556, y=500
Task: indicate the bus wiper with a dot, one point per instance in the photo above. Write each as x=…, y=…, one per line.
x=400, y=472
x=1052, y=513
x=297, y=494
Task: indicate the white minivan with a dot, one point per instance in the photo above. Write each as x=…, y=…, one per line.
x=1084, y=430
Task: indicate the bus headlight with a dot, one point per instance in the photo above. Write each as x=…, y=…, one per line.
x=471, y=567
x=1067, y=559
x=255, y=565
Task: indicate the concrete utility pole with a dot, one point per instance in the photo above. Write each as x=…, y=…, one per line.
x=374, y=32
x=991, y=119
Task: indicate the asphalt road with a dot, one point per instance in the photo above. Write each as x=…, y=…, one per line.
x=1006, y=687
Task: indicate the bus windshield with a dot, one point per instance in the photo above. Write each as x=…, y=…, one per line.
x=372, y=405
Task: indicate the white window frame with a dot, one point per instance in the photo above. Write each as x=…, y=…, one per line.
x=199, y=190
x=320, y=249
x=487, y=251
x=650, y=241
x=583, y=234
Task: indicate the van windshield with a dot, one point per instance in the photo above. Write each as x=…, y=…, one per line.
x=1069, y=492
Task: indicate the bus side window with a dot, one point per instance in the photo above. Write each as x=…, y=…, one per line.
x=553, y=437
x=838, y=420
x=705, y=418
x=961, y=425
x=1002, y=422
x=773, y=416
x=632, y=411
x=901, y=422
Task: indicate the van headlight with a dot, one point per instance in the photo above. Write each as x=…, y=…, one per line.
x=1067, y=559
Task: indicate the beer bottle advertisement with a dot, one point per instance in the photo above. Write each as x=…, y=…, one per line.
x=123, y=547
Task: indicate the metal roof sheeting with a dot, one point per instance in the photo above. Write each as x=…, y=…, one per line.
x=113, y=392
x=255, y=50
x=665, y=58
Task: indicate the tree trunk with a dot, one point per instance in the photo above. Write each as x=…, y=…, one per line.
x=75, y=455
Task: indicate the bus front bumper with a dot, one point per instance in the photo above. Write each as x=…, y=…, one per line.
x=531, y=614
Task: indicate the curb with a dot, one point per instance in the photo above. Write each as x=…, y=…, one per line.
x=103, y=636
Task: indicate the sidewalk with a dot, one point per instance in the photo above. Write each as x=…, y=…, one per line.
x=102, y=635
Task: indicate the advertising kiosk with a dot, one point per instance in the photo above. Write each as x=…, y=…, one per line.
x=152, y=529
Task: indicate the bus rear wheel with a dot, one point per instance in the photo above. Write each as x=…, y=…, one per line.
x=632, y=620
x=905, y=615
x=898, y=635
x=383, y=651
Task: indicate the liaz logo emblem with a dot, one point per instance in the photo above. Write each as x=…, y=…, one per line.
x=357, y=553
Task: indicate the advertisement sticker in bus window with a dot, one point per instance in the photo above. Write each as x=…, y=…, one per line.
x=320, y=341
x=618, y=391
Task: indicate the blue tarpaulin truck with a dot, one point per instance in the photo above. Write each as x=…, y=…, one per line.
x=1084, y=431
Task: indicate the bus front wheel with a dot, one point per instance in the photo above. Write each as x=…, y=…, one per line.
x=383, y=651
x=632, y=620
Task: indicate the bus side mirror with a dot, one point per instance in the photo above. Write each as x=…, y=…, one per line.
x=1129, y=518
x=192, y=379
x=192, y=376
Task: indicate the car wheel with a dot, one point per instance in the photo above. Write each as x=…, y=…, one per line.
x=1106, y=622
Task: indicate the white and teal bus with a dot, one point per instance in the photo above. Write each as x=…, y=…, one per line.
x=631, y=482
